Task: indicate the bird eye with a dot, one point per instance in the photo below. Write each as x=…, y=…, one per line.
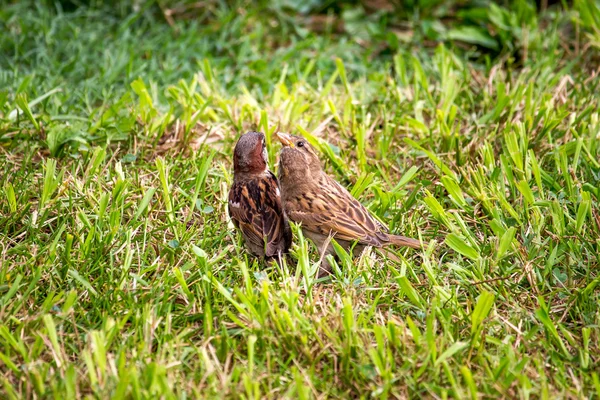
x=300, y=144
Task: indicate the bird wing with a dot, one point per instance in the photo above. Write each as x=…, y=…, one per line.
x=328, y=208
x=255, y=208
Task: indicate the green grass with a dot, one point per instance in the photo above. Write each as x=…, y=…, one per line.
x=121, y=276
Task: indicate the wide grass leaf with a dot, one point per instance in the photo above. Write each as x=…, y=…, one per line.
x=458, y=244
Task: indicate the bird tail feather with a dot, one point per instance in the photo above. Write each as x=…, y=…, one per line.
x=404, y=241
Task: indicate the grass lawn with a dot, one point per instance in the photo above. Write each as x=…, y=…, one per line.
x=475, y=129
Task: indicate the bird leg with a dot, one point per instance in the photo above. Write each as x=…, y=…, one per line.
x=325, y=248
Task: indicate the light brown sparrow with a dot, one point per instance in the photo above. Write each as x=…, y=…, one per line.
x=324, y=207
x=255, y=202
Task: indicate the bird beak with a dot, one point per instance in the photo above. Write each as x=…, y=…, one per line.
x=285, y=139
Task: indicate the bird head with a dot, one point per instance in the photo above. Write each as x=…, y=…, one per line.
x=250, y=154
x=298, y=159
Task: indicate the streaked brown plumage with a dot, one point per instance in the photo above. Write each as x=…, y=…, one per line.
x=254, y=200
x=324, y=207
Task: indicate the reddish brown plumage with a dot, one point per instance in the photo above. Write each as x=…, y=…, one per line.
x=254, y=200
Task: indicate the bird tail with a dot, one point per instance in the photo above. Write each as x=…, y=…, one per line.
x=404, y=241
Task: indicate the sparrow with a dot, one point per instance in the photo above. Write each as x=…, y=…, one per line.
x=255, y=202
x=325, y=208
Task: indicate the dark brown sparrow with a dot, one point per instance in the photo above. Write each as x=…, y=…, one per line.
x=324, y=207
x=255, y=202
